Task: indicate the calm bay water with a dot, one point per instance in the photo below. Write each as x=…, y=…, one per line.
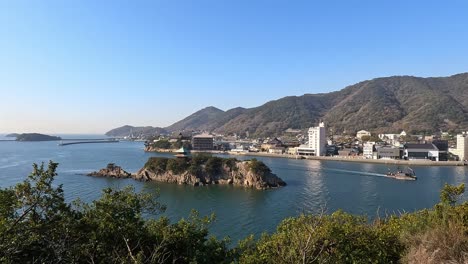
x=312, y=185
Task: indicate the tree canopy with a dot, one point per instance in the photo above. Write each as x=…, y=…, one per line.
x=37, y=225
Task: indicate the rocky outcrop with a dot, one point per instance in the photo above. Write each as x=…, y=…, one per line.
x=150, y=148
x=240, y=174
x=208, y=170
x=111, y=171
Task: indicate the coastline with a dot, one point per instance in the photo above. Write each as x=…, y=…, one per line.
x=334, y=158
x=357, y=159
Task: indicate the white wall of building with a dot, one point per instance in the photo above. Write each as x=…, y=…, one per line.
x=362, y=133
x=462, y=146
x=368, y=150
x=318, y=139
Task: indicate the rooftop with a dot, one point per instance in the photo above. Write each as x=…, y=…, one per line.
x=420, y=146
x=204, y=135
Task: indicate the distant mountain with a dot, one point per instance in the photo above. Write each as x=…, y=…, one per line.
x=403, y=103
x=36, y=137
x=127, y=131
x=12, y=135
x=207, y=119
x=389, y=104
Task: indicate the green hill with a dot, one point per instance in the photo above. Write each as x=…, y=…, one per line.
x=388, y=104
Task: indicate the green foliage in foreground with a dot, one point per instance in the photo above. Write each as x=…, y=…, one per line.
x=38, y=226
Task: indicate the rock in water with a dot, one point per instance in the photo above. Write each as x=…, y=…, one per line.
x=213, y=170
x=111, y=171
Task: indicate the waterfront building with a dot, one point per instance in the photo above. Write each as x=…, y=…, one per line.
x=421, y=151
x=274, y=143
x=304, y=150
x=368, y=150
x=362, y=133
x=462, y=146
x=276, y=150
x=443, y=147
x=202, y=142
x=318, y=139
x=388, y=153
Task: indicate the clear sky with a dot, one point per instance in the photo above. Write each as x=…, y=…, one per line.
x=89, y=66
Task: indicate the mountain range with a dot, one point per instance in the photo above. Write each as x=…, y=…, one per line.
x=388, y=104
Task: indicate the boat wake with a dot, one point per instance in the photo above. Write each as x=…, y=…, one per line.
x=363, y=173
x=357, y=172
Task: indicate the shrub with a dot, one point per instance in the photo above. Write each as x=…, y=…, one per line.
x=156, y=164
x=162, y=144
x=258, y=167
x=177, y=166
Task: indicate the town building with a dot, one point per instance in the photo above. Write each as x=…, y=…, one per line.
x=368, y=150
x=318, y=139
x=276, y=150
x=274, y=143
x=304, y=150
x=443, y=147
x=202, y=142
x=421, y=151
x=462, y=146
x=390, y=138
x=362, y=133
x=388, y=153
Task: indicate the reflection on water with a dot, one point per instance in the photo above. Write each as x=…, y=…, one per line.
x=312, y=185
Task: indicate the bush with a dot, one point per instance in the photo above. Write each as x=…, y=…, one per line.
x=258, y=167
x=162, y=144
x=214, y=166
x=156, y=164
x=177, y=166
x=336, y=238
x=37, y=226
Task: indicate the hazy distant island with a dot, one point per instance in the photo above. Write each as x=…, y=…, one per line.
x=200, y=170
x=36, y=137
x=12, y=135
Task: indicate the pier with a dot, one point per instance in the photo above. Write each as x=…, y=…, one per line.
x=86, y=141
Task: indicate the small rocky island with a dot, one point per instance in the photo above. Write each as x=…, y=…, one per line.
x=201, y=170
x=111, y=171
x=36, y=137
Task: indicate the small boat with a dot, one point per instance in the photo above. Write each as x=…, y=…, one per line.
x=407, y=175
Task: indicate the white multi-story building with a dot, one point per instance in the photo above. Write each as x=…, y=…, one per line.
x=368, y=150
x=318, y=139
x=462, y=146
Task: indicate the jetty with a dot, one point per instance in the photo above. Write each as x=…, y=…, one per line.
x=86, y=141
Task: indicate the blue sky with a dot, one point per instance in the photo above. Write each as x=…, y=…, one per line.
x=89, y=66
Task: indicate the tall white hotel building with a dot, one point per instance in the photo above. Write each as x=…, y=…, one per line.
x=318, y=139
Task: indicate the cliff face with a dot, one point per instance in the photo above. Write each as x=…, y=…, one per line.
x=240, y=174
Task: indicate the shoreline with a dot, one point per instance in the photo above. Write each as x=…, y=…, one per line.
x=336, y=158
x=356, y=159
